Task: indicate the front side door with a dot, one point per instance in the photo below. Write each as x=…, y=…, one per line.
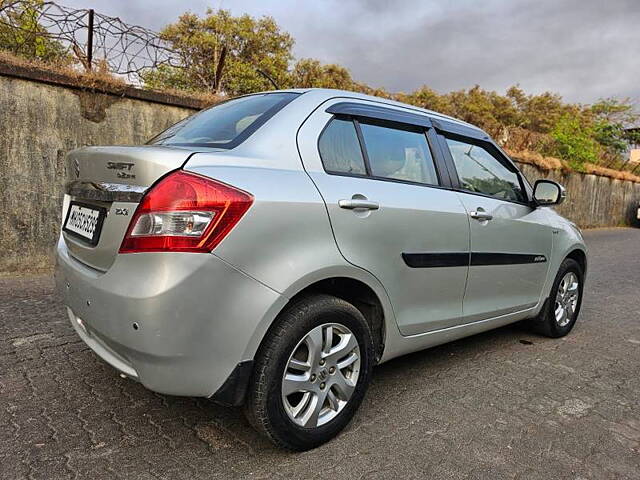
x=389, y=213
x=511, y=241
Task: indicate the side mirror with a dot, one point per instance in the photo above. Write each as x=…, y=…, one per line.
x=548, y=192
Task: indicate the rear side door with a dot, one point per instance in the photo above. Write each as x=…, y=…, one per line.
x=390, y=207
x=511, y=241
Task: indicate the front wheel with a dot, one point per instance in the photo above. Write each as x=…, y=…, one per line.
x=563, y=306
x=311, y=373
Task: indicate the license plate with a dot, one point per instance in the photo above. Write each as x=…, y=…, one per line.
x=84, y=221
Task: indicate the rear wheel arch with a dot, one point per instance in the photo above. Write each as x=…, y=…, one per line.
x=374, y=307
x=321, y=281
x=368, y=299
x=358, y=294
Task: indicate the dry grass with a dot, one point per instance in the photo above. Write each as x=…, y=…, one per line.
x=552, y=163
x=535, y=158
x=99, y=78
x=207, y=99
x=611, y=173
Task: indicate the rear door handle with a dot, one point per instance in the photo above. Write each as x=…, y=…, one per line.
x=480, y=214
x=354, y=203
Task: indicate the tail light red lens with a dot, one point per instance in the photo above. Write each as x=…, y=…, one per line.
x=185, y=212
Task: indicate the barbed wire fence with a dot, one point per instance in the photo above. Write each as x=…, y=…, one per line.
x=90, y=37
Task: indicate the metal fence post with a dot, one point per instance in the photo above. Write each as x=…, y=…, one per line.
x=90, y=40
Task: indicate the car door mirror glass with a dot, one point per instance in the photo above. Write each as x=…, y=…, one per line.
x=547, y=192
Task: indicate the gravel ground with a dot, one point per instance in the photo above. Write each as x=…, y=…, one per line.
x=504, y=404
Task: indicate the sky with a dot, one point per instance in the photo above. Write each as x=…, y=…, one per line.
x=582, y=49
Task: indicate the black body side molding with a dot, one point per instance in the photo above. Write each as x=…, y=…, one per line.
x=435, y=260
x=463, y=259
x=478, y=258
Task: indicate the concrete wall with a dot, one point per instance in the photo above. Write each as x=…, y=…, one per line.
x=39, y=124
x=592, y=201
x=40, y=121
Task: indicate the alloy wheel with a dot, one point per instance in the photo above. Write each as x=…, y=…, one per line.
x=567, y=299
x=321, y=375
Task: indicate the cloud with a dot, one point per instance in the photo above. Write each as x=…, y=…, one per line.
x=582, y=49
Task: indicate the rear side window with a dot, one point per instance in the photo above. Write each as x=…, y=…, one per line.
x=227, y=124
x=340, y=149
x=399, y=154
x=479, y=171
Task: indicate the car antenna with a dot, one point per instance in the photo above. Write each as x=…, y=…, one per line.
x=265, y=75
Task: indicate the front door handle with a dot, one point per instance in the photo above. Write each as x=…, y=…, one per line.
x=480, y=214
x=358, y=203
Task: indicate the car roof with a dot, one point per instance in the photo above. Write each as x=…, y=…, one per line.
x=328, y=93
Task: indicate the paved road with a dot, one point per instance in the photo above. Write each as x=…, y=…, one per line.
x=504, y=404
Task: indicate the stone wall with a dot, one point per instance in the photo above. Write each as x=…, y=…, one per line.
x=40, y=121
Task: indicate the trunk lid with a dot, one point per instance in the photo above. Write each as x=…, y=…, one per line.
x=107, y=183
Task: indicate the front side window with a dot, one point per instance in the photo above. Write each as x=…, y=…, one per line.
x=227, y=124
x=479, y=171
x=399, y=154
x=339, y=148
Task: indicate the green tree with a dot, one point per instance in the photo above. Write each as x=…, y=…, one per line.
x=540, y=113
x=310, y=73
x=611, y=118
x=486, y=109
x=23, y=35
x=575, y=142
x=426, y=97
x=223, y=53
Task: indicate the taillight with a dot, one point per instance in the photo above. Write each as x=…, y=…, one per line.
x=185, y=212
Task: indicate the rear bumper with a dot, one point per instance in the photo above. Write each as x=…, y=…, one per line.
x=179, y=323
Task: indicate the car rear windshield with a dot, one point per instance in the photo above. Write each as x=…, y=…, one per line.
x=227, y=124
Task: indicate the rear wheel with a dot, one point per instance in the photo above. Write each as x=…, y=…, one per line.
x=563, y=306
x=311, y=373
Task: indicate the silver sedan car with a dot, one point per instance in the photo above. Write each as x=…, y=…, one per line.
x=269, y=251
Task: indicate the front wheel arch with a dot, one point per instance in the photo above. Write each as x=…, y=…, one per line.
x=579, y=256
x=544, y=322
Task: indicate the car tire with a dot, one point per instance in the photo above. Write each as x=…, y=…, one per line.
x=290, y=345
x=551, y=322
